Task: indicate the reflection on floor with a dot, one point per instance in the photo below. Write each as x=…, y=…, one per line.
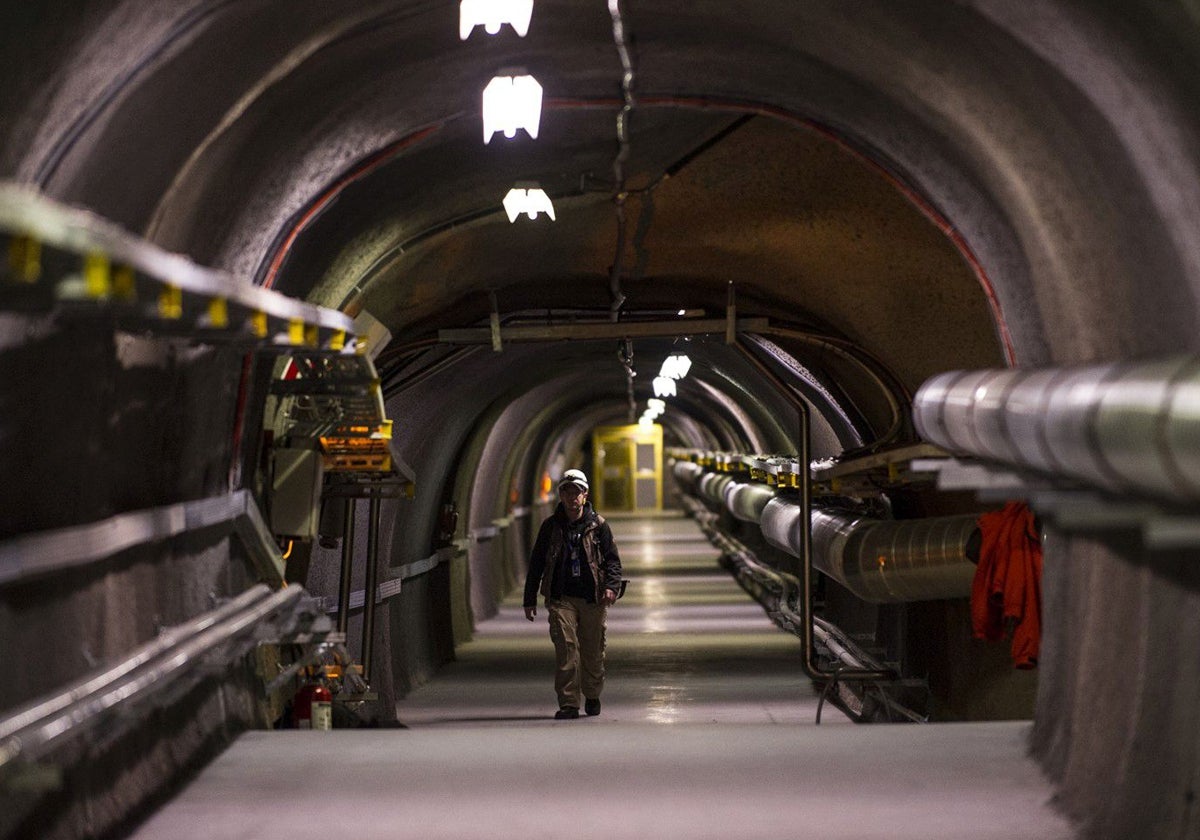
x=685, y=645
x=689, y=745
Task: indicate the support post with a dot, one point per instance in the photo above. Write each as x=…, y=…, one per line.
x=371, y=589
x=343, y=616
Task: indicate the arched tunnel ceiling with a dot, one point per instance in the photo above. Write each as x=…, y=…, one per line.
x=898, y=167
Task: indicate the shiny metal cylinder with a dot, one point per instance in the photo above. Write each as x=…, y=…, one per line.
x=881, y=561
x=1130, y=426
x=712, y=487
x=746, y=501
x=687, y=474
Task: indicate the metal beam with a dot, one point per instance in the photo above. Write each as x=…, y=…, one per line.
x=600, y=330
x=79, y=545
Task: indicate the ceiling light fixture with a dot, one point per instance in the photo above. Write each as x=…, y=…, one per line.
x=492, y=14
x=527, y=199
x=676, y=367
x=664, y=386
x=511, y=103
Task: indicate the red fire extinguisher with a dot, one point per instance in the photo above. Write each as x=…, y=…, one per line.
x=312, y=707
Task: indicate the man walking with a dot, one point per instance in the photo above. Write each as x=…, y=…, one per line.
x=575, y=565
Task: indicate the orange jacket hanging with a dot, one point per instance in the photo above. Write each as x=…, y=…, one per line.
x=1006, y=595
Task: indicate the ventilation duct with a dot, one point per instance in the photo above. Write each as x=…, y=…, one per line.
x=1123, y=427
x=880, y=561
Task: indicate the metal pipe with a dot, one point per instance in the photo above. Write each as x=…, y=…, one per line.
x=804, y=540
x=343, y=619
x=881, y=561
x=1124, y=427
x=30, y=731
x=372, y=587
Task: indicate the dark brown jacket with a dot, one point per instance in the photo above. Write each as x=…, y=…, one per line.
x=598, y=548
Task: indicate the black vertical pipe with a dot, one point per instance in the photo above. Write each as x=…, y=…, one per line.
x=371, y=588
x=343, y=618
x=804, y=523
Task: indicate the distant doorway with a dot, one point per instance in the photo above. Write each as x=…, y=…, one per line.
x=628, y=468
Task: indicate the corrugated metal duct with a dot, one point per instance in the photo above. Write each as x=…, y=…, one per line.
x=1132, y=426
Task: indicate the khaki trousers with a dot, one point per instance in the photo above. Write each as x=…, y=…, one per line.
x=577, y=630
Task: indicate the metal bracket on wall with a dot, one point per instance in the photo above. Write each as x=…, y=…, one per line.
x=73, y=261
x=1070, y=507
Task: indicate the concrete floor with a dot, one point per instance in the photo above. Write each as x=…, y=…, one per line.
x=707, y=732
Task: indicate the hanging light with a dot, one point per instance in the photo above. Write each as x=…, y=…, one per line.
x=527, y=199
x=492, y=14
x=664, y=386
x=676, y=367
x=511, y=103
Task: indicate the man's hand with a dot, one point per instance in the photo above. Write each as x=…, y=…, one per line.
x=530, y=612
x=609, y=597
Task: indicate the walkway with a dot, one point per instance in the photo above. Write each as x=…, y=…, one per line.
x=707, y=732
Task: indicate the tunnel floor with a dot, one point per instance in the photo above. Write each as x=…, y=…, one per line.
x=707, y=731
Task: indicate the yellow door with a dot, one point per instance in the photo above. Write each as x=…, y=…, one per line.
x=628, y=468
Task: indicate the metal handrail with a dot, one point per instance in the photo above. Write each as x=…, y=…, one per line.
x=804, y=524
x=32, y=730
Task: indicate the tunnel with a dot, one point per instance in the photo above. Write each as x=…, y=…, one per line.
x=275, y=332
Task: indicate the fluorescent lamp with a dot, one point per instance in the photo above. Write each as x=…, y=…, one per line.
x=511, y=103
x=676, y=367
x=657, y=406
x=645, y=420
x=664, y=386
x=682, y=312
x=492, y=14
x=528, y=201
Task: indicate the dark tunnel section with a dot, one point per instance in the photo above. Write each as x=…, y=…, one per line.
x=899, y=191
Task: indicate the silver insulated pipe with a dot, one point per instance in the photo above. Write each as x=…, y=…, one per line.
x=882, y=561
x=1125, y=427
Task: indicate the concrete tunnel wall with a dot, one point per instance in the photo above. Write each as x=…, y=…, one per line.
x=1061, y=143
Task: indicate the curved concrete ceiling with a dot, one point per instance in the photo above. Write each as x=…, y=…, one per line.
x=930, y=183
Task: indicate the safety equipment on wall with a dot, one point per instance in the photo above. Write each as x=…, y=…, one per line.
x=312, y=707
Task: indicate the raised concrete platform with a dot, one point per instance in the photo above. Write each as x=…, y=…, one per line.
x=707, y=732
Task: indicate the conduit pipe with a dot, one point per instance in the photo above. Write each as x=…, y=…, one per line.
x=881, y=561
x=808, y=662
x=1126, y=427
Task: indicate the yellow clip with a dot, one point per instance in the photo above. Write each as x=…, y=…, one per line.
x=312, y=335
x=385, y=430
x=258, y=324
x=410, y=491
x=218, y=313
x=893, y=472
x=296, y=331
x=97, y=283
x=25, y=257
x=124, y=283
x=337, y=341
x=170, y=303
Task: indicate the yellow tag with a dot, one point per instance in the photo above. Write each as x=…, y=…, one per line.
x=295, y=331
x=258, y=324
x=97, y=283
x=218, y=313
x=124, y=283
x=25, y=257
x=170, y=303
